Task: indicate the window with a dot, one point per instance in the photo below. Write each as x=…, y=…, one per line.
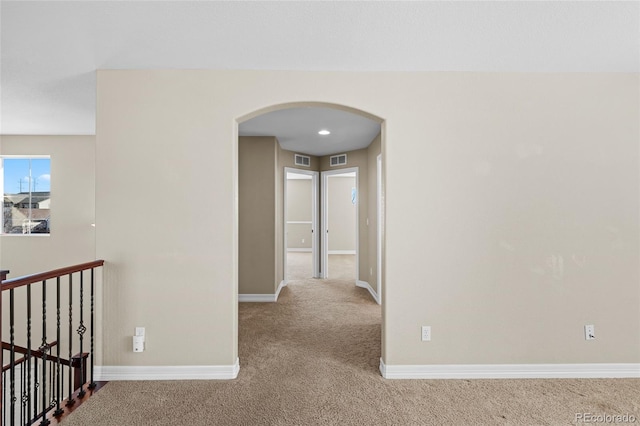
x=26, y=185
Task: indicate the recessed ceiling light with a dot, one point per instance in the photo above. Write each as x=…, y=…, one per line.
x=324, y=132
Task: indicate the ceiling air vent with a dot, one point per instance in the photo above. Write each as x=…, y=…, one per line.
x=302, y=160
x=338, y=160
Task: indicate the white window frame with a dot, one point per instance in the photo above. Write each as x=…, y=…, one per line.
x=20, y=157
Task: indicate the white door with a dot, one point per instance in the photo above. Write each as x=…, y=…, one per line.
x=293, y=224
x=326, y=224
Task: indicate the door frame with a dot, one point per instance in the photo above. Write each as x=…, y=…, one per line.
x=324, y=203
x=379, y=222
x=315, y=183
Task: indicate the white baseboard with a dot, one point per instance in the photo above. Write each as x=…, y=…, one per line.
x=168, y=372
x=282, y=284
x=262, y=298
x=342, y=252
x=510, y=371
x=299, y=250
x=367, y=286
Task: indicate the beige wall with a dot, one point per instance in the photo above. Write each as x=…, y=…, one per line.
x=282, y=157
x=342, y=214
x=72, y=238
x=256, y=214
x=299, y=200
x=299, y=237
x=359, y=159
x=286, y=160
x=261, y=208
x=299, y=197
x=492, y=180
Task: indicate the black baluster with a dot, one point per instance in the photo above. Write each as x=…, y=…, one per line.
x=22, y=401
x=25, y=399
x=12, y=359
x=28, y=360
x=44, y=348
x=36, y=385
x=52, y=389
x=81, y=330
x=70, y=400
x=59, y=410
x=62, y=381
x=92, y=383
x=4, y=398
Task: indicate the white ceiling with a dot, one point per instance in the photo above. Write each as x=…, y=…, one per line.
x=51, y=49
x=297, y=129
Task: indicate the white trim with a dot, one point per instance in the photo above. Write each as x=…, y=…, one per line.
x=26, y=156
x=299, y=250
x=324, y=205
x=367, y=286
x=315, y=226
x=167, y=372
x=510, y=371
x=342, y=252
x=324, y=214
x=262, y=298
x=380, y=221
x=314, y=176
x=282, y=284
x=298, y=176
x=24, y=235
x=300, y=222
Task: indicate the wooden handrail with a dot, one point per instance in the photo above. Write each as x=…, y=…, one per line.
x=34, y=354
x=43, y=276
x=16, y=363
x=21, y=350
x=74, y=363
x=77, y=363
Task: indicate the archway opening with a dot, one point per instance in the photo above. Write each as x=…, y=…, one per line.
x=310, y=140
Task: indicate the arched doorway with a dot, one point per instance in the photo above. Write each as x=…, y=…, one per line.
x=276, y=153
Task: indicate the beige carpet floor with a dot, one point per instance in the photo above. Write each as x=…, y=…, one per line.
x=312, y=359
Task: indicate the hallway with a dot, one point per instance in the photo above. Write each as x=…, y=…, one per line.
x=341, y=266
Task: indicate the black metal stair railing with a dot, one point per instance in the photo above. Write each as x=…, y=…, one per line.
x=42, y=381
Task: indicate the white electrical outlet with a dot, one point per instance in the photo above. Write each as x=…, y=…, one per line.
x=303, y=241
x=589, y=332
x=426, y=333
x=138, y=344
x=138, y=339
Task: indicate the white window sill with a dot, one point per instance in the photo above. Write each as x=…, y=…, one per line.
x=25, y=235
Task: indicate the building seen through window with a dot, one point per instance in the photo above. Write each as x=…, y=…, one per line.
x=26, y=184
